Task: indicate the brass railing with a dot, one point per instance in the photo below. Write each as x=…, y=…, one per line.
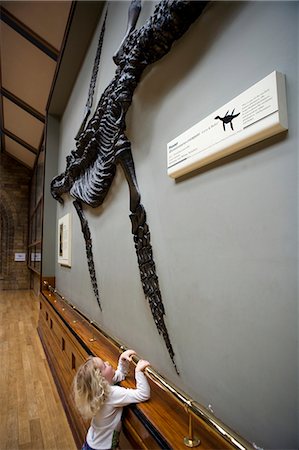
x=193, y=408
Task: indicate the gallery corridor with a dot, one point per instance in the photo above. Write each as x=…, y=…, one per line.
x=32, y=416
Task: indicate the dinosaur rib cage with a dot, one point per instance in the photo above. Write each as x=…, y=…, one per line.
x=93, y=184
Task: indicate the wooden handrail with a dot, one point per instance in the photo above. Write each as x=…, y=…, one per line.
x=194, y=409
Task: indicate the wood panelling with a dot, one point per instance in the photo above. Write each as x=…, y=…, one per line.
x=49, y=280
x=161, y=422
x=64, y=354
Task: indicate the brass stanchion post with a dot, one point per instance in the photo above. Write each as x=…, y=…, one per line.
x=191, y=441
x=92, y=339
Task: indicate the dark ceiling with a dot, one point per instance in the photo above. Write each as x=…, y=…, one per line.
x=31, y=39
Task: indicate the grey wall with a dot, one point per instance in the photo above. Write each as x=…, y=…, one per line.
x=298, y=232
x=224, y=238
x=50, y=222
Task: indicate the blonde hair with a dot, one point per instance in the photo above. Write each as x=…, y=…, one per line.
x=90, y=389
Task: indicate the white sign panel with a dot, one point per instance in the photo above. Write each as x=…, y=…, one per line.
x=256, y=114
x=36, y=256
x=20, y=256
x=64, y=240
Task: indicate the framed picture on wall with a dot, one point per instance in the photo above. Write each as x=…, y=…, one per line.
x=64, y=240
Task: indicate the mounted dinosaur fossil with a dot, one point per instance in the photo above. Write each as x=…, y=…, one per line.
x=102, y=143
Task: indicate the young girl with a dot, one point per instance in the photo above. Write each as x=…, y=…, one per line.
x=96, y=397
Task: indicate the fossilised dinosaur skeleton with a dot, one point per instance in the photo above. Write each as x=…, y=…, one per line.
x=102, y=144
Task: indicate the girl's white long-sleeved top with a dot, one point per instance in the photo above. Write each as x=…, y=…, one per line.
x=106, y=424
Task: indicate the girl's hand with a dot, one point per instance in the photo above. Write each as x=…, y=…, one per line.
x=127, y=355
x=141, y=365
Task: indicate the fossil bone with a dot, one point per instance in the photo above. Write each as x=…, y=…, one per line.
x=102, y=144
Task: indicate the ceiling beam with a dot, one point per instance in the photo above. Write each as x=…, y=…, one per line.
x=28, y=34
x=39, y=149
x=19, y=141
x=83, y=20
x=17, y=101
x=1, y=120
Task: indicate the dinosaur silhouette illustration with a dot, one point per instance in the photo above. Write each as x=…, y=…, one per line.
x=228, y=118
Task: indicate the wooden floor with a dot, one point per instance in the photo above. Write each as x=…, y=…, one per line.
x=31, y=414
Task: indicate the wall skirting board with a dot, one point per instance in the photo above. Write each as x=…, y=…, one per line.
x=68, y=338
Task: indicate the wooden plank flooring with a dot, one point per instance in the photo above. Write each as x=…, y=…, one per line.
x=31, y=414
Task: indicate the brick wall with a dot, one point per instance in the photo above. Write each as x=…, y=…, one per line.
x=14, y=202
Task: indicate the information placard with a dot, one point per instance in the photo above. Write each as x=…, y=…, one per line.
x=64, y=240
x=20, y=256
x=254, y=115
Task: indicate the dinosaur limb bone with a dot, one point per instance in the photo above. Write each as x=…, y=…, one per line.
x=141, y=234
x=125, y=158
x=88, y=246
